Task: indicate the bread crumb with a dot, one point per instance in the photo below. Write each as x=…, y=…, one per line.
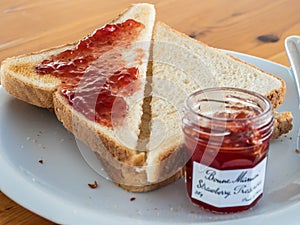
x=93, y=185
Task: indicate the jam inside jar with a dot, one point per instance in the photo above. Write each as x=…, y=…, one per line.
x=226, y=135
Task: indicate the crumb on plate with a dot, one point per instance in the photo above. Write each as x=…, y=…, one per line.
x=93, y=185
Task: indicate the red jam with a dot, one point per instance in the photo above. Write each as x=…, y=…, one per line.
x=94, y=75
x=230, y=148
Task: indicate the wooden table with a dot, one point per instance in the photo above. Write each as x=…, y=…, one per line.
x=253, y=27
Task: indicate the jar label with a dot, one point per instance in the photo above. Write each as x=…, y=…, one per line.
x=228, y=188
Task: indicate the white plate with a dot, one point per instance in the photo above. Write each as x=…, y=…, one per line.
x=58, y=188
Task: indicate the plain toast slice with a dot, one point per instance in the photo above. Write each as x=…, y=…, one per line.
x=182, y=65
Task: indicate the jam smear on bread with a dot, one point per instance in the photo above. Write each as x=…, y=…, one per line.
x=94, y=75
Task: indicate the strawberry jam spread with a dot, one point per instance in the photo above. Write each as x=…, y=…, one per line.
x=226, y=140
x=94, y=76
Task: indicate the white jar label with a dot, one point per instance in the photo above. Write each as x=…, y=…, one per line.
x=228, y=188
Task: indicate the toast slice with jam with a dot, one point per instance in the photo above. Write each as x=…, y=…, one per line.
x=96, y=88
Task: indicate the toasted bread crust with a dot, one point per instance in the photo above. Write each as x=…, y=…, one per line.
x=18, y=76
x=154, y=186
x=276, y=96
x=25, y=91
x=283, y=123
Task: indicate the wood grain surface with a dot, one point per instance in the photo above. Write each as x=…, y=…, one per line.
x=253, y=27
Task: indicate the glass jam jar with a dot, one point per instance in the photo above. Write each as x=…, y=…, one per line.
x=226, y=134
